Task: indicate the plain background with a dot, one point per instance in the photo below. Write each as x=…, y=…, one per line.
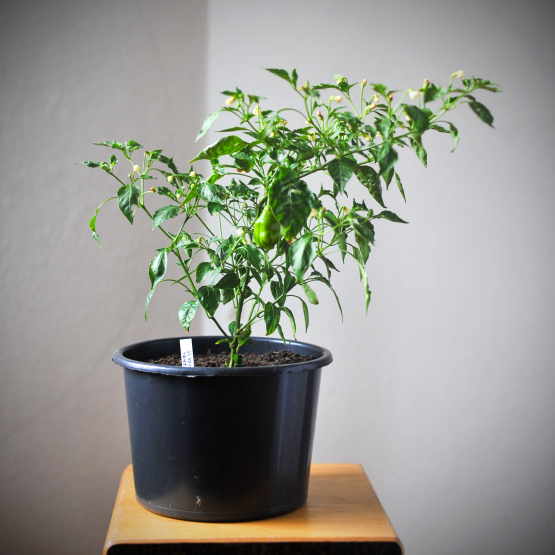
x=444, y=392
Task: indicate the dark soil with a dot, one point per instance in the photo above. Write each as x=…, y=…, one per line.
x=219, y=360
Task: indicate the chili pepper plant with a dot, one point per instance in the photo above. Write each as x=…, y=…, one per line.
x=285, y=236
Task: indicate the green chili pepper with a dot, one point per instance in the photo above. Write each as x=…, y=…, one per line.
x=266, y=230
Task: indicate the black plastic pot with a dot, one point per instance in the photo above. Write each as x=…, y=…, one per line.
x=221, y=444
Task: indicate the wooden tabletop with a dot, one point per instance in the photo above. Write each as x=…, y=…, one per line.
x=341, y=507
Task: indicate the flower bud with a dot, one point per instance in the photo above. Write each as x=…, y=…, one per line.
x=148, y=153
x=272, y=134
x=390, y=97
x=313, y=213
x=153, y=189
x=242, y=172
x=137, y=169
x=319, y=114
x=311, y=137
x=178, y=195
x=256, y=111
x=336, y=98
x=192, y=174
x=459, y=74
x=426, y=82
x=341, y=80
x=345, y=210
x=363, y=83
x=413, y=94
x=230, y=100
x=170, y=178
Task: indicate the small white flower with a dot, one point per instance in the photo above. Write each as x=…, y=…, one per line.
x=230, y=100
x=413, y=94
x=459, y=74
x=192, y=174
x=256, y=111
x=137, y=169
x=337, y=98
x=170, y=178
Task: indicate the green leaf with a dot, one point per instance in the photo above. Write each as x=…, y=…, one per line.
x=132, y=145
x=341, y=170
x=271, y=318
x=303, y=253
x=392, y=217
x=156, y=271
x=229, y=144
x=209, y=192
x=400, y=186
x=229, y=281
x=187, y=313
x=163, y=214
x=364, y=278
x=454, y=135
x=291, y=319
x=92, y=164
x=311, y=296
x=92, y=222
x=291, y=202
x=419, y=120
x=368, y=176
x=280, y=73
x=365, y=230
x=420, y=151
x=204, y=269
x=209, y=298
x=112, y=144
x=252, y=255
x=433, y=92
x=305, y=314
x=128, y=196
x=387, y=158
x=482, y=112
x=207, y=124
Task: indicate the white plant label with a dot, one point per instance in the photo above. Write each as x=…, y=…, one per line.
x=187, y=358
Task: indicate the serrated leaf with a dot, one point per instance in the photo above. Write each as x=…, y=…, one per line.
x=341, y=170
x=187, y=313
x=303, y=253
x=163, y=214
x=209, y=298
x=207, y=124
x=128, y=196
x=482, y=112
x=229, y=144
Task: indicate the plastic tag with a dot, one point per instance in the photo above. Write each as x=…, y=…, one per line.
x=187, y=358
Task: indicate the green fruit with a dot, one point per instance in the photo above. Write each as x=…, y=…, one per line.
x=266, y=230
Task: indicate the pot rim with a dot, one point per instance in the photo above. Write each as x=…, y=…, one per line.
x=122, y=357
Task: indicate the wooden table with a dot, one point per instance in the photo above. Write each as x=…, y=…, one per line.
x=342, y=515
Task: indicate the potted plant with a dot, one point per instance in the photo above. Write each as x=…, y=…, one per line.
x=231, y=438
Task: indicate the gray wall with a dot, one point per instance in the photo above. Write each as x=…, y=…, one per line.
x=443, y=392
